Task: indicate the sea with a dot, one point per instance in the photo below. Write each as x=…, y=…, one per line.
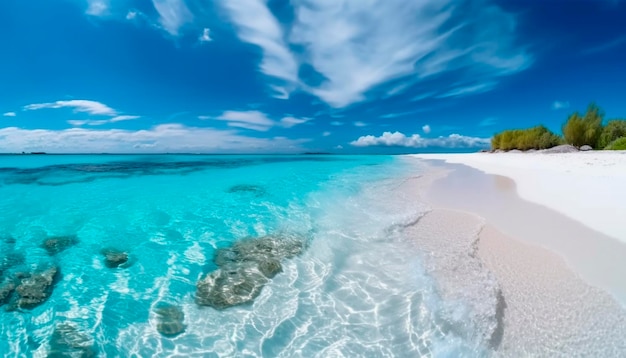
x=355, y=286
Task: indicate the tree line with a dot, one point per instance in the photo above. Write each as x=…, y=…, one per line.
x=579, y=130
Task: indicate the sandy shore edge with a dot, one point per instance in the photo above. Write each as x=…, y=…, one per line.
x=547, y=306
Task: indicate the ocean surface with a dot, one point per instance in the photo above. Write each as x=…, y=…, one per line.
x=356, y=287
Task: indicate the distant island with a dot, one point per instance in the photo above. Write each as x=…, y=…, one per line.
x=584, y=132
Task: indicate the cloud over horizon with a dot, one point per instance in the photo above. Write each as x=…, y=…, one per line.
x=398, y=139
x=174, y=138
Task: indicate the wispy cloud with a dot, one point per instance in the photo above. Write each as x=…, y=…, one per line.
x=160, y=139
x=173, y=14
x=79, y=105
x=326, y=134
x=398, y=139
x=205, y=36
x=258, y=121
x=426, y=128
x=336, y=123
x=471, y=89
x=289, y=122
x=10, y=114
x=352, y=47
x=556, y=105
x=395, y=115
x=619, y=41
x=258, y=26
x=99, y=122
x=360, y=124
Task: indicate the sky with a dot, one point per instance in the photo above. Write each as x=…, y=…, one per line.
x=278, y=76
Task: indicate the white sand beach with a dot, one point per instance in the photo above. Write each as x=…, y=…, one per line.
x=586, y=186
x=554, y=239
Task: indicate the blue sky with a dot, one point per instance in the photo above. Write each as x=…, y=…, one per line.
x=344, y=76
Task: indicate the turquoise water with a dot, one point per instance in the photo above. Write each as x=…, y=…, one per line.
x=358, y=289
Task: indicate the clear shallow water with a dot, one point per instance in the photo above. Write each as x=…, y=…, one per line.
x=359, y=289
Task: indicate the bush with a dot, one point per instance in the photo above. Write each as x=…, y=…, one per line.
x=618, y=144
x=584, y=130
x=613, y=130
x=538, y=137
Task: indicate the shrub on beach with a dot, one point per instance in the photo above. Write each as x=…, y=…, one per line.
x=618, y=144
x=584, y=130
x=538, y=137
x=613, y=130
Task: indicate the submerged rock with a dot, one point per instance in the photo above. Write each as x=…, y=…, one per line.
x=244, y=269
x=261, y=249
x=36, y=289
x=114, y=258
x=6, y=291
x=68, y=341
x=56, y=244
x=170, y=321
x=244, y=188
x=270, y=267
x=230, y=286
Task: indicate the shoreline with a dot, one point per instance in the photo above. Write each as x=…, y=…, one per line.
x=575, y=302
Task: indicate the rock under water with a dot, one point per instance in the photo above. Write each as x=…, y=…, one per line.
x=243, y=270
x=244, y=188
x=56, y=244
x=36, y=289
x=68, y=341
x=114, y=258
x=170, y=321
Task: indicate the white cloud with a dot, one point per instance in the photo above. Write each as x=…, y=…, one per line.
x=336, y=123
x=359, y=124
x=204, y=117
x=254, y=120
x=289, y=122
x=326, y=134
x=426, y=128
x=123, y=118
x=354, y=47
x=173, y=14
x=97, y=7
x=470, y=89
x=206, y=35
x=10, y=114
x=257, y=120
x=257, y=25
x=79, y=105
x=163, y=138
x=560, y=105
x=131, y=15
x=99, y=122
x=398, y=139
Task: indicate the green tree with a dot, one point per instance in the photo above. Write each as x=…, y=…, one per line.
x=538, y=137
x=613, y=130
x=618, y=144
x=584, y=130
